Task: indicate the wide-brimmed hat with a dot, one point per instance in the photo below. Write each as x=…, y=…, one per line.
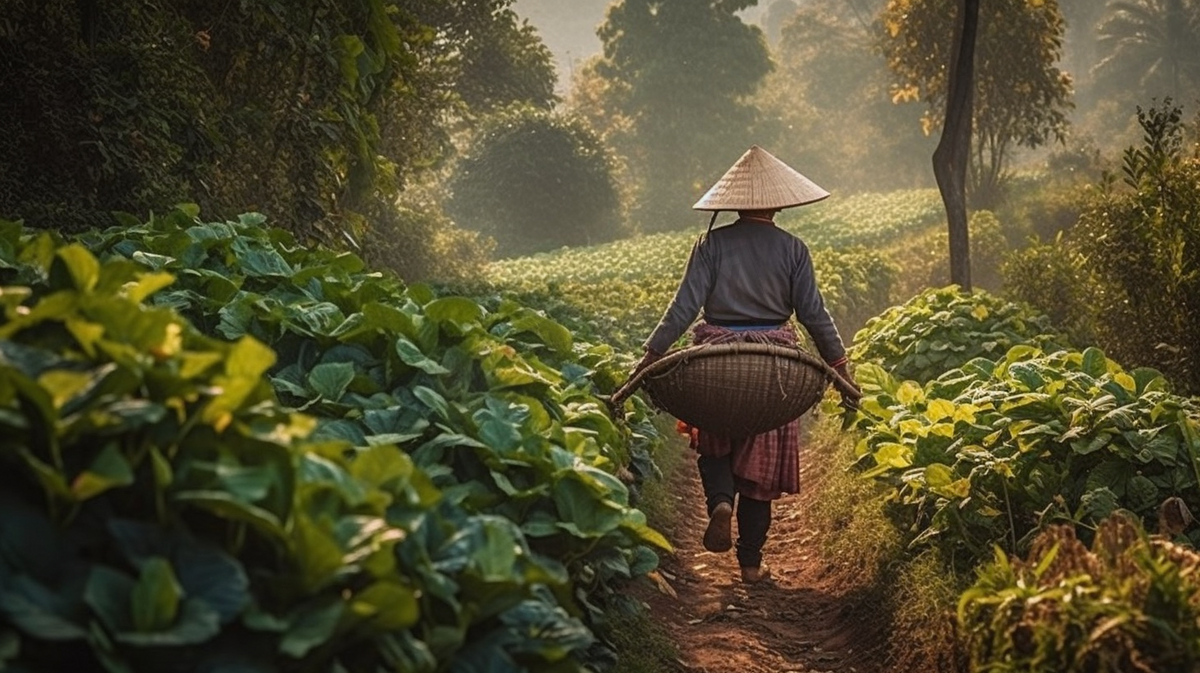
x=759, y=181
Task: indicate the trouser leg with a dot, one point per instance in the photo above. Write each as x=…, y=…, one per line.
x=716, y=476
x=754, y=520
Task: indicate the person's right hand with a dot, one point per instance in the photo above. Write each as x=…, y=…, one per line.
x=648, y=359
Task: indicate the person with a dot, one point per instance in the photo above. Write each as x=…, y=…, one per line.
x=749, y=277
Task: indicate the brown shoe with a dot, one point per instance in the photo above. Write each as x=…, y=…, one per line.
x=717, y=537
x=756, y=575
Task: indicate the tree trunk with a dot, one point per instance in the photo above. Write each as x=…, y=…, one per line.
x=952, y=155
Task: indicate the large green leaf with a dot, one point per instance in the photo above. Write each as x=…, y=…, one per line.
x=205, y=572
x=156, y=596
x=311, y=627
x=110, y=469
x=460, y=312
x=45, y=613
x=330, y=380
x=412, y=356
x=387, y=606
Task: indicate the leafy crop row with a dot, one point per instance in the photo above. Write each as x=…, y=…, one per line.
x=436, y=487
x=618, y=291
x=941, y=329
x=994, y=442
x=988, y=452
x=860, y=220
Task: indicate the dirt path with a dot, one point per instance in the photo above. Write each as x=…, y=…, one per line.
x=809, y=620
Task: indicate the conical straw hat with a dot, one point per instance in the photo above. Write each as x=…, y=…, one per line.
x=759, y=181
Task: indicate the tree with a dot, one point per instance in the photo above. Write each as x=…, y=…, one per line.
x=1021, y=97
x=778, y=14
x=826, y=106
x=682, y=73
x=950, y=157
x=315, y=112
x=535, y=181
x=1155, y=43
x=498, y=58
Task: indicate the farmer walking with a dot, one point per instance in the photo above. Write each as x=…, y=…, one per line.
x=749, y=277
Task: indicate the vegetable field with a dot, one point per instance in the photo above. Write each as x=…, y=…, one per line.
x=217, y=441
x=271, y=458
x=620, y=289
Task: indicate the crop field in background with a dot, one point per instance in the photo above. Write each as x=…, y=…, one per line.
x=620, y=289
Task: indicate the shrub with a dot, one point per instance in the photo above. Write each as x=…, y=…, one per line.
x=1144, y=245
x=1130, y=603
x=536, y=181
x=1057, y=280
x=987, y=453
x=942, y=329
x=414, y=239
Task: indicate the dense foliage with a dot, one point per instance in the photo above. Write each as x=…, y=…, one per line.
x=445, y=499
x=986, y=453
x=1021, y=97
x=943, y=329
x=536, y=181
x=1128, y=273
x=316, y=112
x=1130, y=603
x=1142, y=243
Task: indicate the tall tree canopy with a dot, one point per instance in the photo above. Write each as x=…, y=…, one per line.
x=681, y=73
x=315, y=112
x=1021, y=96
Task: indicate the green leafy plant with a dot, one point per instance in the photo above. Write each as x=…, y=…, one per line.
x=1141, y=244
x=987, y=453
x=942, y=329
x=447, y=497
x=1130, y=603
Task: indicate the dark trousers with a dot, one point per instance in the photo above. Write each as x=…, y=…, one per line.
x=753, y=516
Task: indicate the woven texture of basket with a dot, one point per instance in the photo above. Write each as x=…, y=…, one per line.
x=735, y=389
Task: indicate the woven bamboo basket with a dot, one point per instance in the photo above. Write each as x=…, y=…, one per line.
x=734, y=389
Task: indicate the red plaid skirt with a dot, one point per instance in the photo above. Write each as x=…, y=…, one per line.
x=765, y=466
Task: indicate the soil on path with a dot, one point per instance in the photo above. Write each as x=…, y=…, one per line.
x=810, y=618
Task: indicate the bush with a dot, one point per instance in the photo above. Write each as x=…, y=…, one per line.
x=1144, y=246
x=1130, y=603
x=414, y=239
x=942, y=329
x=987, y=453
x=1057, y=280
x=536, y=181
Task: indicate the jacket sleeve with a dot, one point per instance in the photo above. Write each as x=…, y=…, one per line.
x=810, y=310
x=693, y=291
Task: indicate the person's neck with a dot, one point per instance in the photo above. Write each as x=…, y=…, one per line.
x=758, y=218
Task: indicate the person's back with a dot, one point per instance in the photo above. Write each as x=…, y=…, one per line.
x=754, y=265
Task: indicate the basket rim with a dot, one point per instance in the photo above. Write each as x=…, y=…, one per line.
x=680, y=355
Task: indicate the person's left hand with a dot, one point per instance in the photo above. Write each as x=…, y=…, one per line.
x=850, y=397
